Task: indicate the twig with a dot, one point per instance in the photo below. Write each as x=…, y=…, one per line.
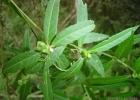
x=35, y=95
x=75, y=47
x=124, y=64
x=89, y=98
x=67, y=19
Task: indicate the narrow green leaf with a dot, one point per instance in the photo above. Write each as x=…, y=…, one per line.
x=51, y=20
x=19, y=76
x=113, y=41
x=14, y=7
x=47, y=86
x=90, y=94
x=62, y=62
x=73, y=33
x=110, y=86
x=94, y=37
x=82, y=15
x=20, y=61
x=26, y=41
x=59, y=96
x=137, y=82
x=13, y=50
x=54, y=56
x=137, y=66
x=73, y=70
x=79, y=78
x=107, y=80
x=73, y=98
x=34, y=68
x=107, y=66
x=123, y=95
x=125, y=47
x=58, y=83
x=136, y=39
x=97, y=64
x=24, y=90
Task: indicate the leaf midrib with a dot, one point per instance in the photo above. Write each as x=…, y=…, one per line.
x=94, y=50
x=50, y=20
x=70, y=34
x=21, y=61
x=74, y=68
x=125, y=47
x=112, y=80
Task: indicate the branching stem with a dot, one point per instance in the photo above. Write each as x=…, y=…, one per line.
x=124, y=64
x=75, y=47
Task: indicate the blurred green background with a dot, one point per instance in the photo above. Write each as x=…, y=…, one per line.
x=110, y=17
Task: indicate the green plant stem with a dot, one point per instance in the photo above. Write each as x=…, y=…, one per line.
x=24, y=15
x=75, y=47
x=59, y=68
x=87, y=92
x=124, y=64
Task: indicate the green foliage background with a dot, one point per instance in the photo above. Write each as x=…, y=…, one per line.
x=110, y=17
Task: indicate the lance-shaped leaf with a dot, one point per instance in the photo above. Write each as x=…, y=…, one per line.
x=90, y=94
x=47, y=85
x=136, y=39
x=110, y=86
x=54, y=56
x=94, y=37
x=137, y=82
x=107, y=66
x=26, y=41
x=82, y=15
x=73, y=70
x=125, y=47
x=107, y=80
x=24, y=90
x=59, y=96
x=113, y=41
x=62, y=62
x=14, y=50
x=79, y=78
x=137, y=66
x=124, y=95
x=34, y=68
x=97, y=64
x=73, y=33
x=60, y=83
x=51, y=20
x=20, y=61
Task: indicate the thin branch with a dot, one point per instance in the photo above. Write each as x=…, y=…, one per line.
x=26, y=17
x=75, y=47
x=124, y=64
x=35, y=95
x=66, y=19
x=89, y=98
